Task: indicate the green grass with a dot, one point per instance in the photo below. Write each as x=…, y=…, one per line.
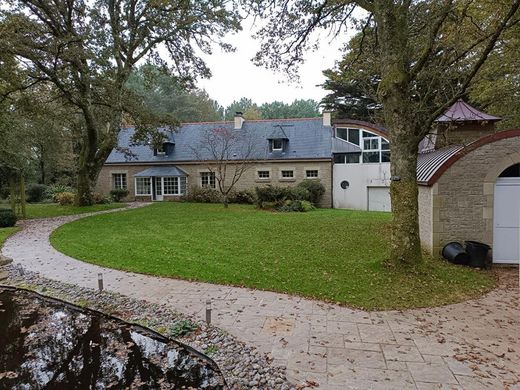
x=47, y=210
x=6, y=232
x=334, y=255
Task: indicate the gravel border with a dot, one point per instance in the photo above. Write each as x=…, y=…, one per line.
x=243, y=366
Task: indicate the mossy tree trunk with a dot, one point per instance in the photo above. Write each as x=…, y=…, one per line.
x=23, y=200
x=392, y=21
x=12, y=193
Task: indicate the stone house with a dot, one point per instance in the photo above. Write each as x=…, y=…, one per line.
x=350, y=158
x=468, y=173
x=469, y=184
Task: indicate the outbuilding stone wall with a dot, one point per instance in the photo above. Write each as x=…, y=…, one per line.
x=462, y=199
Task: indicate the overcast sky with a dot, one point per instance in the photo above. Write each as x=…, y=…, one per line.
x=235, y=76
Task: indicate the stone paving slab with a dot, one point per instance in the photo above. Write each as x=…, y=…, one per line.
x=471, y=345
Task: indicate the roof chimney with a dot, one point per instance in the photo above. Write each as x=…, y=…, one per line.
x=327, y=118
x=239, y=120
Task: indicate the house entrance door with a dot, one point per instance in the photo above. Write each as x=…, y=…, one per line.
x=159, y=188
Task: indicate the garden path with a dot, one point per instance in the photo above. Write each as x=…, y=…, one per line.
x=471, y=345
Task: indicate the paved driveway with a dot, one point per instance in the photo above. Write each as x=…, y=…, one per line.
x=471, y=345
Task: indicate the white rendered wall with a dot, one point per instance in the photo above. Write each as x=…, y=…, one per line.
x=360, y=177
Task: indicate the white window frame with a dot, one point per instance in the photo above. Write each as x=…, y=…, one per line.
x=281, y=145
x=123, y=184
x=149, y=186
x=268, y=177
x=211, y=179
x=312, y=170
x=379, y=149
x=362, y=137
x=282, y=177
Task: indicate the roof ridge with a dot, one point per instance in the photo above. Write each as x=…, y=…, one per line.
x=255, y=120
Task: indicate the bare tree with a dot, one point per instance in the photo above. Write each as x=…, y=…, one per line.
x=228, y=154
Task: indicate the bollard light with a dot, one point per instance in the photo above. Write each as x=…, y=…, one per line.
x=100, y=281
x=208, y=311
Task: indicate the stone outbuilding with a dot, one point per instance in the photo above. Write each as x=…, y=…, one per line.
x=469, y=184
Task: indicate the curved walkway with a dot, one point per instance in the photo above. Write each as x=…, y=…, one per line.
x=471, y=345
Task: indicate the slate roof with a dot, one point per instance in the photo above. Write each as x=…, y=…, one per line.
x=165, y=171
x=308, y=139
x=461, y=111
x=340, y=146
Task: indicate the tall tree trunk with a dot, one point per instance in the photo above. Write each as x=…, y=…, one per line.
x=12, y=192
x=96, y=147
x=42, y=170
x=393, y=90
x=22, y=197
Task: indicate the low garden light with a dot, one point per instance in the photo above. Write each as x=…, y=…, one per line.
x=100, y=281
x=208, y=311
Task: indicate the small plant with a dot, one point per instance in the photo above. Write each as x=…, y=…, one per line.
x=211, y=350
x=65, y=198
x=36, y=192
x=182, y=328
x=118, y=194
x=7, y=218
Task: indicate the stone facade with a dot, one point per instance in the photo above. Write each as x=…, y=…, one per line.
x=459, y=206
x=425, y=217
x=462, y=133
x=249, y=179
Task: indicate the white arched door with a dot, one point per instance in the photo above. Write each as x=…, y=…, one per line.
x=506, y=221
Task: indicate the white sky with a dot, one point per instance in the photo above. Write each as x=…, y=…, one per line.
x=235, y=76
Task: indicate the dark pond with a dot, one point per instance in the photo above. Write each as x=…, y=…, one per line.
x=49, y=344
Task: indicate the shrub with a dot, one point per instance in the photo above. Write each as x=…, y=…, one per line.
x=65, y=198
x=301, y=206
x=242, y=197
x=279, y=195
x=54, y=190
x=118, y=194
x=99, y=198
x=36, y=192
x=315, y=190
x=7, y=218
x=270, y=194
x=203, y=195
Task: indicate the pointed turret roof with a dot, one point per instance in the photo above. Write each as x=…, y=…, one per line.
x=461, y=111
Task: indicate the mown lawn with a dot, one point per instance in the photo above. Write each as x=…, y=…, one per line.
x=47, y=210
x=334, y=255
x=6, y=232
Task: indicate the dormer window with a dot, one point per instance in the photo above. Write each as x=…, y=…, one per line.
x=160, y=151
x=277, y=145
x=166, y=148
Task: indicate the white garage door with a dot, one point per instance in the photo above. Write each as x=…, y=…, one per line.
x=379, y=199
x=506, y=221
